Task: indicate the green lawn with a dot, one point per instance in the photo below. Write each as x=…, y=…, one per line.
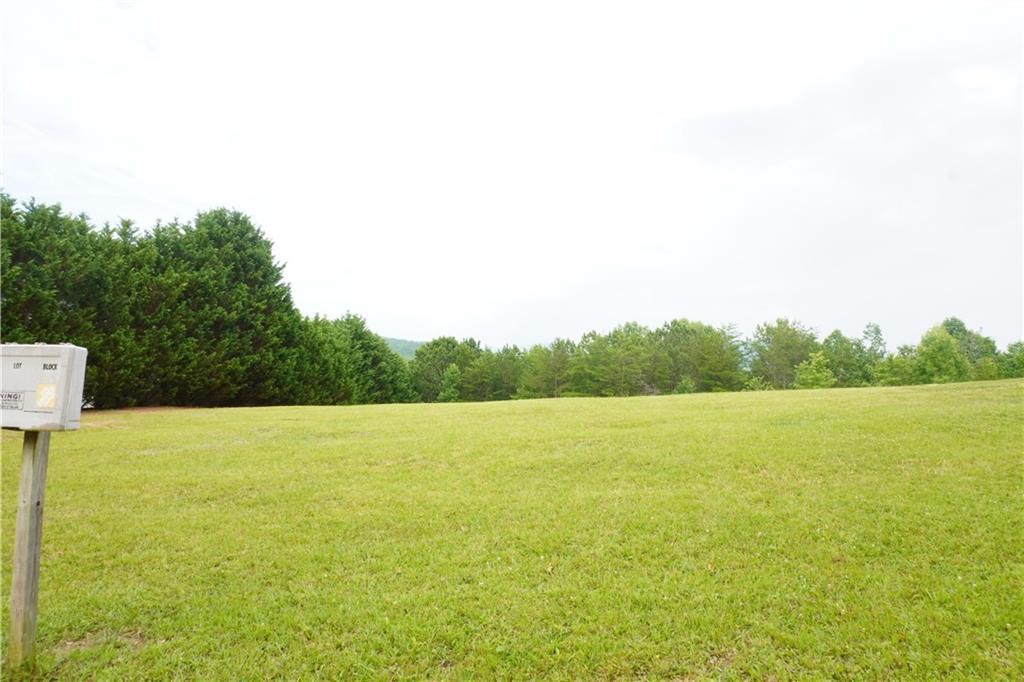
x=861, y=533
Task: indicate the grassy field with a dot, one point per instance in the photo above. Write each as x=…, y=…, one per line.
x=863, y=533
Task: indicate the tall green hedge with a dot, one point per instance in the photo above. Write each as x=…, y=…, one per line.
x=184, y=314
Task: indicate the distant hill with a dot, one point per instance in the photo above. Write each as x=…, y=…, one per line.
x=405, y=348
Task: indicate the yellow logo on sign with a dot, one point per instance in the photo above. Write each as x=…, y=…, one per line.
x=46, y=396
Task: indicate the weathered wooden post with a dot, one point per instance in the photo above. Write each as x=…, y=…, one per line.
x=28, y=535
x=40, y=391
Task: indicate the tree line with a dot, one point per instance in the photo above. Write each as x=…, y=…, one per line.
x=684, y=356
x=197, y=313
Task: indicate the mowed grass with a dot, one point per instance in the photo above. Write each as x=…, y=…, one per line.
x=864, y=533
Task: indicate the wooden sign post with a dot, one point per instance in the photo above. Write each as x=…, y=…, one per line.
x=40, y=391
x=28, y=535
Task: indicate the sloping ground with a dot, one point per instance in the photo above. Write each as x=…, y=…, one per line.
x=870, y=533
x=405, y=348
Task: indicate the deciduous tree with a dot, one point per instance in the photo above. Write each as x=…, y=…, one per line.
x=940, y=359
x=777, y=348
x=814, y=372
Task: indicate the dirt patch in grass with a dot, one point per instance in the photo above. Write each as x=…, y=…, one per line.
x=69, y=646
x=133, y=639
x=721, y=660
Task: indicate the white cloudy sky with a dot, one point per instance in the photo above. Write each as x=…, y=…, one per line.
x=521, y=171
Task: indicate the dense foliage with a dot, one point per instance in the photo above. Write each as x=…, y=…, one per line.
x=198, y=314
x=683, y=356
x=184, y=314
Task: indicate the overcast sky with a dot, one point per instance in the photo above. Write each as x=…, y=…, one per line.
x=522, y=171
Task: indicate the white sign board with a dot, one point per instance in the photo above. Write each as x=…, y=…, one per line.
x=41, y=386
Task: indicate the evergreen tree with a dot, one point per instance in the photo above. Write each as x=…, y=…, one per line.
x=492, y=375
x=224, y=319
x=378, y=374
x=432, y=359
x=533, y=381
x=613, y=364
x=545, y=371
x=711, y=359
